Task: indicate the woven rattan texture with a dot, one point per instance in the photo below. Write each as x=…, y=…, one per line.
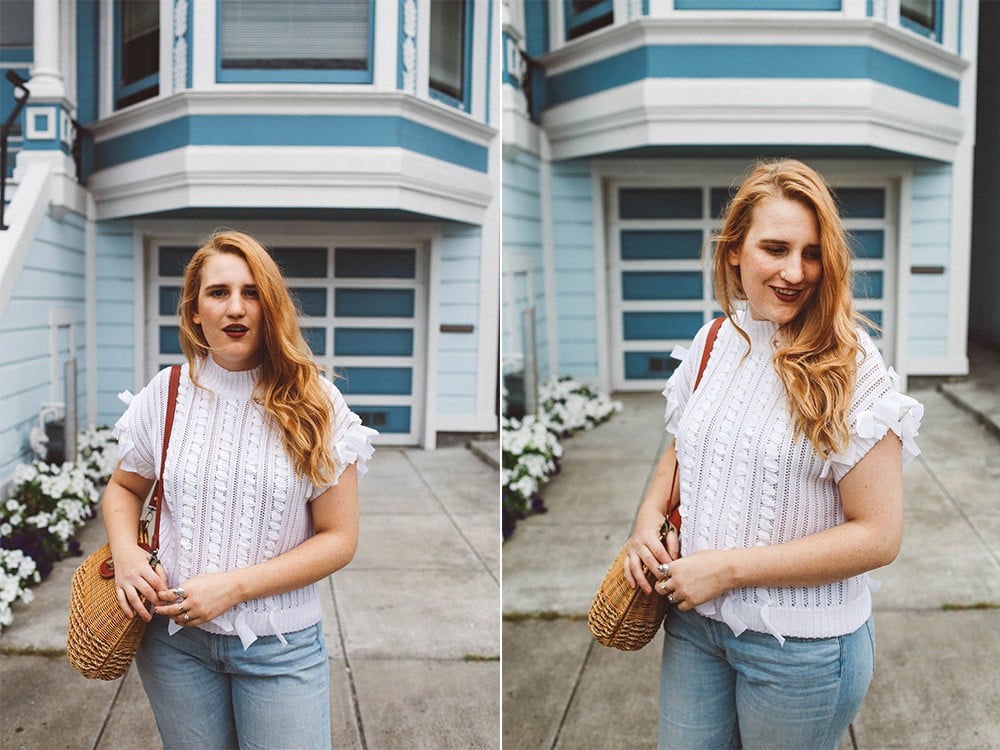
x=622, y=617
x=101, y=644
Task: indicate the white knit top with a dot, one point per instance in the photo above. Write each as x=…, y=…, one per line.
x=745, y=481
x=232, y=497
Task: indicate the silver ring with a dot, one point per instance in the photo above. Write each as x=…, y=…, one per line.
x=670, y=598
x=664, y=568
x=186, y=617
x=180, y=593
x=180, y=609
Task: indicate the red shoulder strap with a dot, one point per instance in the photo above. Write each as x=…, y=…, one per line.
x=156, y=499
x=675, y=514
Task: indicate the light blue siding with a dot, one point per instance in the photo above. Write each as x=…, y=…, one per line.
x=573, y=225
x=930, y=231
x=461, y=250
x=52, y=276
x=522, y=236
x=116, y=318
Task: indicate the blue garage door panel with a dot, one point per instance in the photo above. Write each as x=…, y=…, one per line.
x=300, y=262
x=649, y=365
x=370, y=342
x=868, y=284
x=661, y=285
x=169, y=297
x=661, y=325
x=861, y=203
x=383, y=381
x=661, y=244
x=385, y=419
x=316, y=339
x=868, y=243
x=659, y=203
x=311, y=301
x=364, y=263
x=169, y=340
x=374, y=303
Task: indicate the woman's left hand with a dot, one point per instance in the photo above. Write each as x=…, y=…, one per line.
x=696, y=579
x=198, y=600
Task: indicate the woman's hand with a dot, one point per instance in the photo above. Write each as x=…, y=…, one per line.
x=645, y=548
x=697, y=578
x=198, y=600
x=136, y=581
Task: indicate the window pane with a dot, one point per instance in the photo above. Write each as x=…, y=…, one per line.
x=374, y=303
x=662, y=285
x=667, y=244
x=140, y=40
x=304, y=262
x=918, y=11
x=295, y=34
x=659, y=203
x=861, y=203
x=370, y=342
x=447, y=56
x=173, y=260
x=380, y=263
x=310, y=300
x=17, y=23
x=170, y=296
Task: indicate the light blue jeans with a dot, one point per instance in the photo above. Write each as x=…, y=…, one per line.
x=207, y=693
x=718, y=691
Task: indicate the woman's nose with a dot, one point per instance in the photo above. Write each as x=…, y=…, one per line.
x=235, y=308
x=792, y=270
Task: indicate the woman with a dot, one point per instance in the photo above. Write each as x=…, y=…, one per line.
x=790, y=453
x=260, y=502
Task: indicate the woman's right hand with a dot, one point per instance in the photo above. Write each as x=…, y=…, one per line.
x=645, y=548
x=136, y=581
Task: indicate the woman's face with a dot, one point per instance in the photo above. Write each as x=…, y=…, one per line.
x=779, y=262
x=229, y=312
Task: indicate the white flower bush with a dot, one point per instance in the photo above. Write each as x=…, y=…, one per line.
x=531, y=449
x=98, y=453
x=39, y=521
x=17, y=573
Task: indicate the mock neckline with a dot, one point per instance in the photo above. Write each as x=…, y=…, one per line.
x=227, y=383
x=762, y=333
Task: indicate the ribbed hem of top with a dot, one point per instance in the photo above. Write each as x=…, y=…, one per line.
x=813, y=622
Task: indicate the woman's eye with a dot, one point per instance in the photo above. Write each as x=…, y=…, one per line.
x=251, y=293
x=217, y=293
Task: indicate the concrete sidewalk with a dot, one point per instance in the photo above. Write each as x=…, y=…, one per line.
x=936, y=615
x=412, y=626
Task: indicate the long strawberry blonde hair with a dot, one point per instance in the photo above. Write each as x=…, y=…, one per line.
x=817, y=356
x=289, y=388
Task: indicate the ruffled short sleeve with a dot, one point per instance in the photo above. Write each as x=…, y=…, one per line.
x=140, y=428
x=680, y=385
x=878, y=407
x=352, y=441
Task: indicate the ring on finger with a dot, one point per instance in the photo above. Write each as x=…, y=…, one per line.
x=670, y=599
x=180, y=593
x=187, y=617
x=180, y=609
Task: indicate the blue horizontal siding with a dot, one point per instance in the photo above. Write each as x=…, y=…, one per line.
x=751, y=61
x=370, y=131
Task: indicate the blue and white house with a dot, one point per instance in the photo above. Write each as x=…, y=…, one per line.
x=626, y=124
x=359, y=139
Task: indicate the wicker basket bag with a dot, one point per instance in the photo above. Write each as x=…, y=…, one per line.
x=623, y=617
x=101, y=640
x=627, y=618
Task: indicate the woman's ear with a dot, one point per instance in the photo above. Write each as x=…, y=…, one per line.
x=733, y=256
